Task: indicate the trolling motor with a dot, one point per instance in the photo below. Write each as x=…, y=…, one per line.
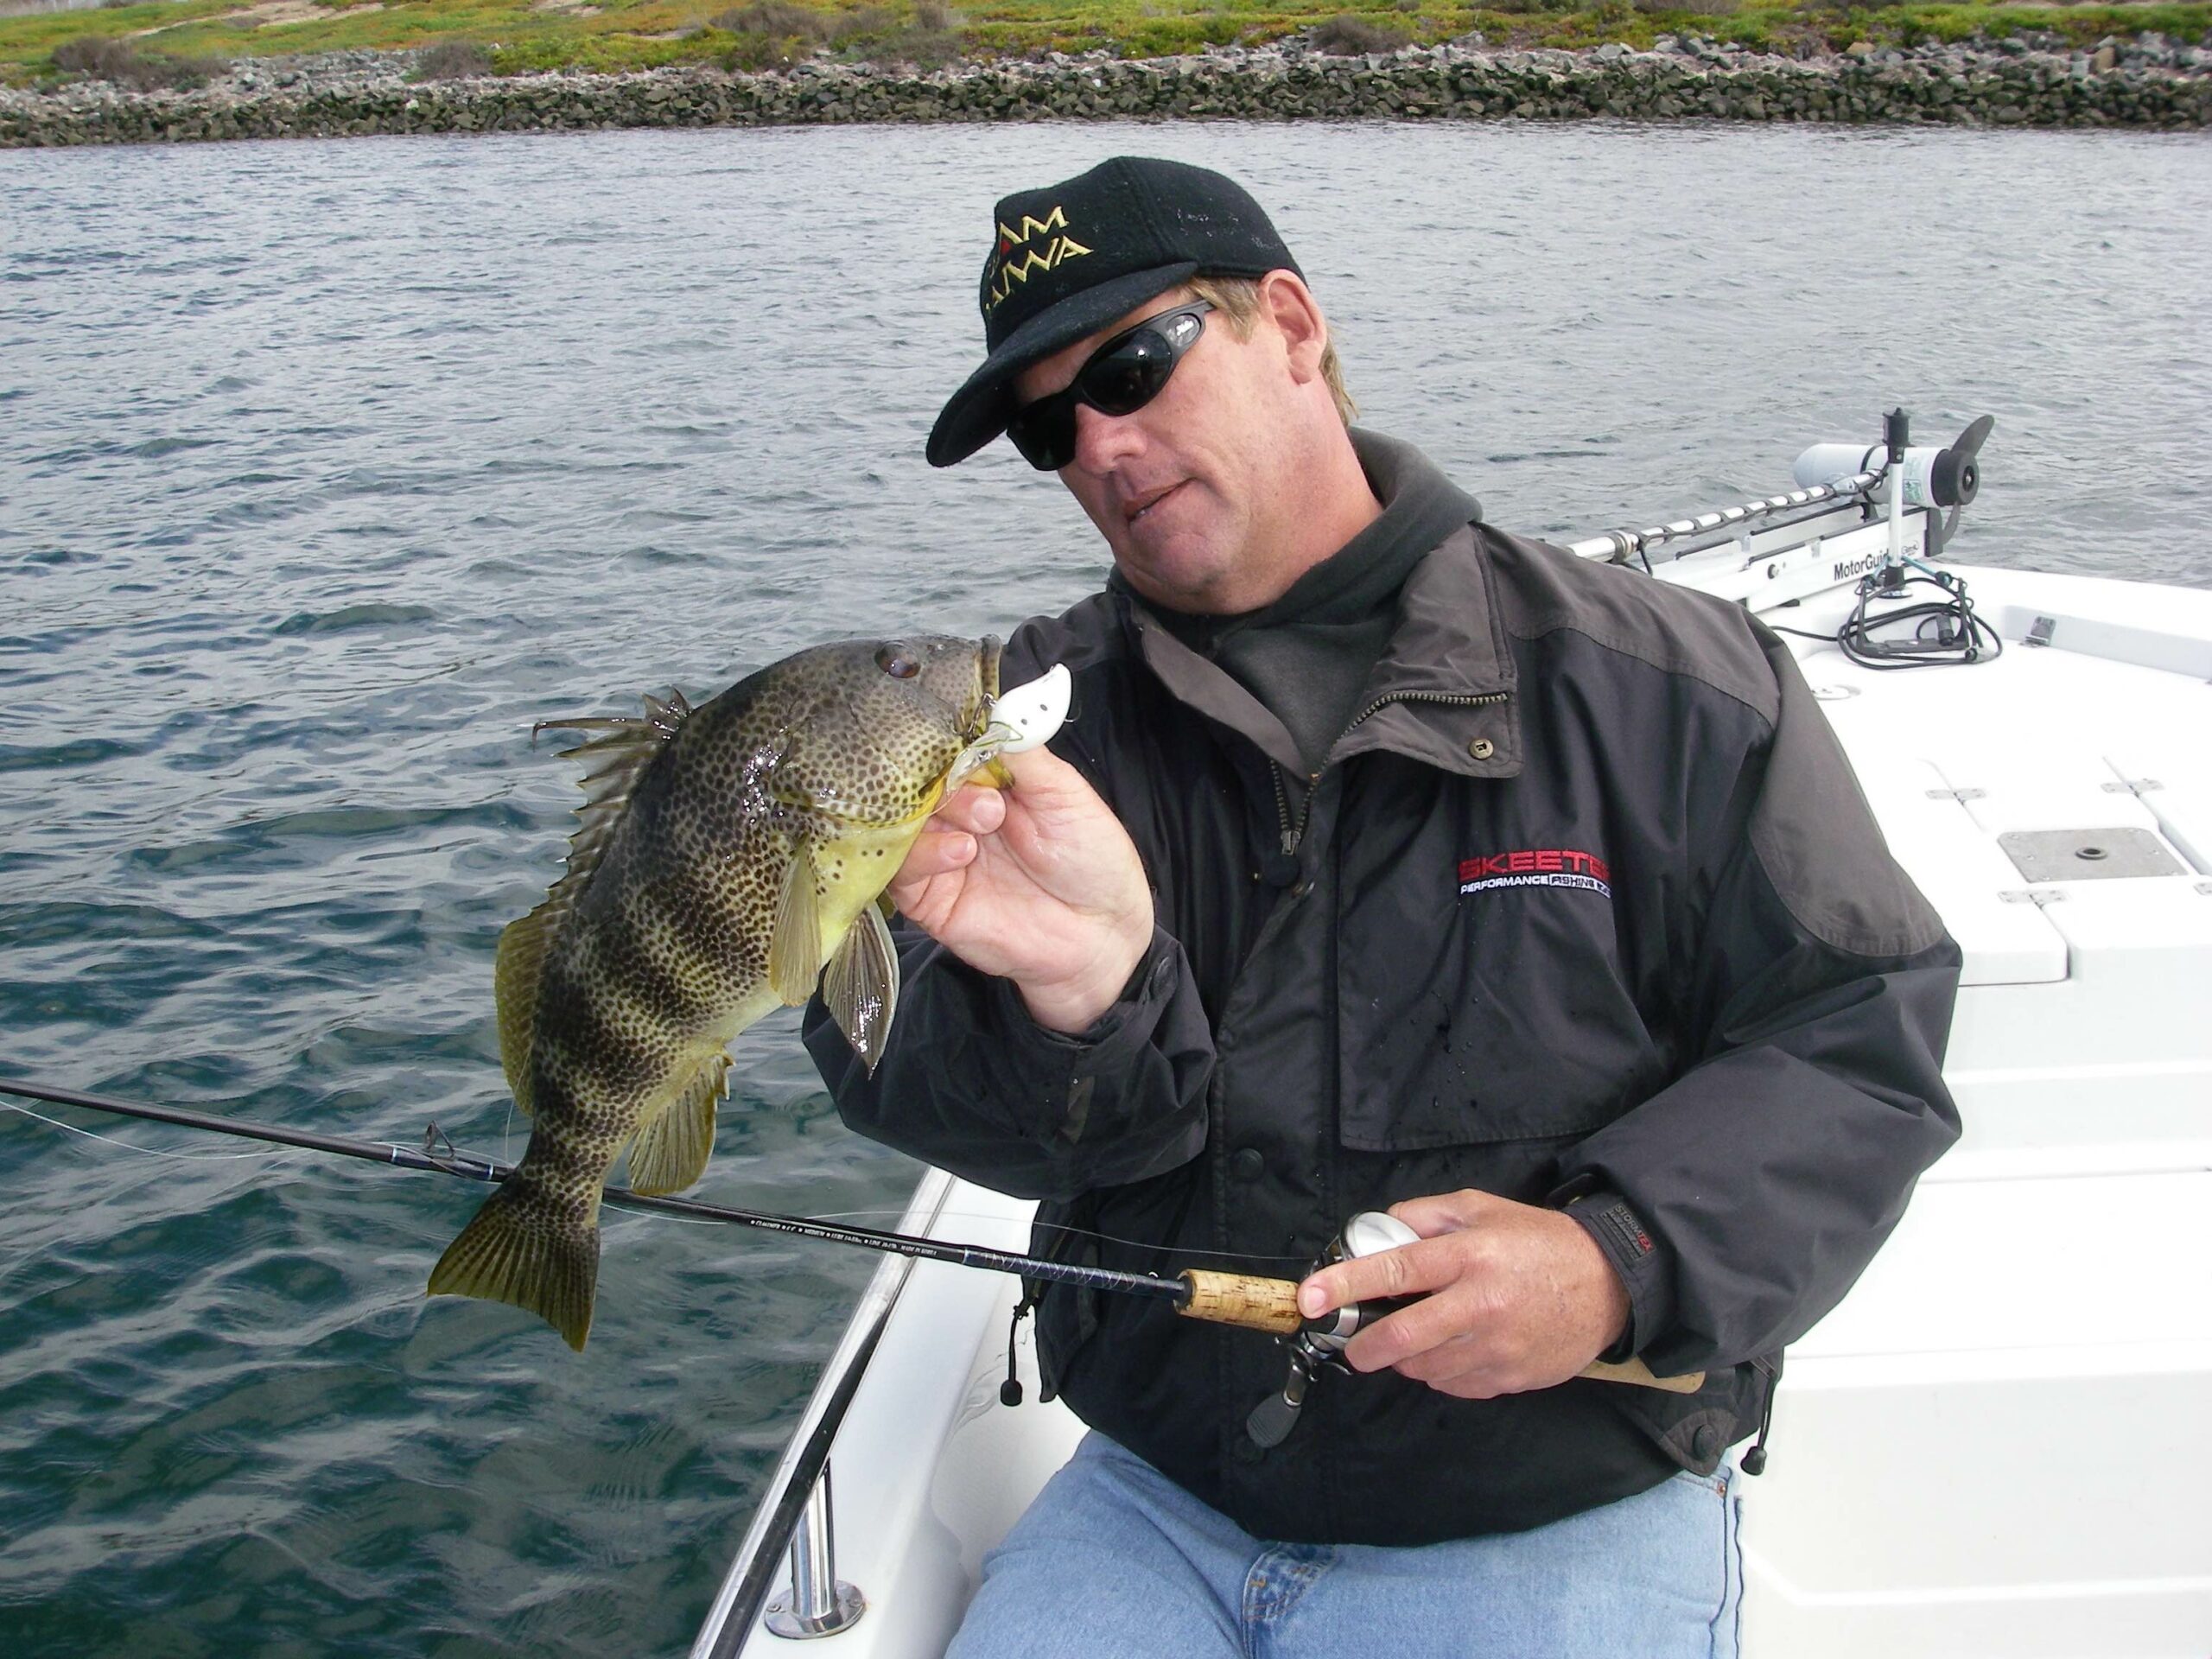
x=1935, y=632
x=1906, y=475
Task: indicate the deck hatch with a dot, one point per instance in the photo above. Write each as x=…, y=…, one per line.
x=2087, y=854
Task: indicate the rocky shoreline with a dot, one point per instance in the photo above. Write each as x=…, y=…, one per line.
x=2148, y=82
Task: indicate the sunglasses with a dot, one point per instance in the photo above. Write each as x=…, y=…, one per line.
x=1120, y=378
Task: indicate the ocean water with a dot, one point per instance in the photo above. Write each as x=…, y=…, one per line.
x=327, y=468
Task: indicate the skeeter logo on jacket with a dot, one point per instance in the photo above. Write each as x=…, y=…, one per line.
x=1535, y=866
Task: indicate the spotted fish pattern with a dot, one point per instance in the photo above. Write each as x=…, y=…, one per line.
x=729, y=858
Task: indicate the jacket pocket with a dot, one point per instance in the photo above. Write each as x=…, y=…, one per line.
x=1508, y=1018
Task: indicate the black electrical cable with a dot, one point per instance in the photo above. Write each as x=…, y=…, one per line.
x=1959, y=638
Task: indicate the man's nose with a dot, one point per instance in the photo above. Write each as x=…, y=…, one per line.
x=1102, y=442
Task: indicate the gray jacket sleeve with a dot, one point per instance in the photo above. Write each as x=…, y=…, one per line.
x=970, y=1083
x=1759, y=1184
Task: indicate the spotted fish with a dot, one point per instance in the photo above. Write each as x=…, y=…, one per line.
x=728, y=856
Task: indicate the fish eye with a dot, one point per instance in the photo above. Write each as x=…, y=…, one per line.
x=895, y=662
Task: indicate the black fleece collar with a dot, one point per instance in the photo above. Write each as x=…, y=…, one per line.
x=1442, y=691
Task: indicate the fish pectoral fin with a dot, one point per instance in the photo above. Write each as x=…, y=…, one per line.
x=524, y=1249
x=671, y=1151
x=862, y=985
x=795, y=948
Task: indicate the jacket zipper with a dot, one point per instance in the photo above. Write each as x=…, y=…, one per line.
x=1294, y=833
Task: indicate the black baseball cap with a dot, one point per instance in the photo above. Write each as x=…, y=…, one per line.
x=1069, y=259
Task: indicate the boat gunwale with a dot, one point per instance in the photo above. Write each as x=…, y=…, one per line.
x=753, y=1572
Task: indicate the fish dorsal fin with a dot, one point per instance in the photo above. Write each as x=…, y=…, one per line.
x=670, y=1151
x=616, y=758
x=861, y=986
x=795, y=948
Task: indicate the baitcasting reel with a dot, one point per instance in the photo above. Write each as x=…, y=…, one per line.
x=1321, y=1342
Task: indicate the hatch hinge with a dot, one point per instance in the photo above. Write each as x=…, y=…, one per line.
x=1956, y=794
x=2027, y=896
x=2132, y=787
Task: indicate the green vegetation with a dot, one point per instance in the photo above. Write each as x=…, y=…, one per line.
x=170, y=39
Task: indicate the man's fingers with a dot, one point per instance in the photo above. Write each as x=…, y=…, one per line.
x=1444, y=1212
x=1409, y=1270
x=1429, y=1338
x=935, y=853
x=971, y=808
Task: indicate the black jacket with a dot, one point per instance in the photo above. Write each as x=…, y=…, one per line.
x=1586, y=905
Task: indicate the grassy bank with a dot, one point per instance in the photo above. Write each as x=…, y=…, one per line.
x=180, y=38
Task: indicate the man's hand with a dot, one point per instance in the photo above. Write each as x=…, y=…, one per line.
x=1520, y=1297
x=1039, y=884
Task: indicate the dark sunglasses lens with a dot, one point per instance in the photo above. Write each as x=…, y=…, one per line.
x=1044, y=432
x=1123, y=380
x=1120, y=378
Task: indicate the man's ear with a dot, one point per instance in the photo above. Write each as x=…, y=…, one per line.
x=1289, y=304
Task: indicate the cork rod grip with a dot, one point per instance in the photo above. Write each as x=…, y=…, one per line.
x=1639, y=1375
x=1242, y=1299
x=1271, y=1304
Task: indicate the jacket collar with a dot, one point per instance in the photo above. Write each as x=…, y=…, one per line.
x=1441, y=694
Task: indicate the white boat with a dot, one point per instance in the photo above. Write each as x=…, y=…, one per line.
x=2001, y=1442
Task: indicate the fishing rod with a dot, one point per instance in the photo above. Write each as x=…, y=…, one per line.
x=1238, y=1298
x=1245, y=1301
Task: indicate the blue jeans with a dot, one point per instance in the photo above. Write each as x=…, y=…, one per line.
x=1114, y=1561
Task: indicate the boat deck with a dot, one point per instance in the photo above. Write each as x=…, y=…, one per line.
x=1998, y=1442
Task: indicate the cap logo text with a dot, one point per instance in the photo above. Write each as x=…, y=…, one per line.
x=1039, y=244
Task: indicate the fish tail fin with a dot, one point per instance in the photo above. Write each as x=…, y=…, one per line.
x=524, y=1248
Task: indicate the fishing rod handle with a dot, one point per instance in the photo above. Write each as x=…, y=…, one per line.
x=1271, y=1304
x=1635, y=1373
x=1242, y=1299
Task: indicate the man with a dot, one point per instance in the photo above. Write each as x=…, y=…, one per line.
x=1388, y=860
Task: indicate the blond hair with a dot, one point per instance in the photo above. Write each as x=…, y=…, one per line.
x=1237, y=298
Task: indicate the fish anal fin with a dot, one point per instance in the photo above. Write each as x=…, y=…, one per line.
x=523, y=1249
x=671, y=1151
x=795, y=948
x=862, y=985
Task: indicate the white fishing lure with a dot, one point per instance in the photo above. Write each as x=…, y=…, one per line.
x=1021, y=718
x=1036, y=710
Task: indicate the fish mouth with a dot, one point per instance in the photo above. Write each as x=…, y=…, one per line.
x=976, y=724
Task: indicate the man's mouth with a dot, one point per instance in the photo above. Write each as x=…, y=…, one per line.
x=1144, y=504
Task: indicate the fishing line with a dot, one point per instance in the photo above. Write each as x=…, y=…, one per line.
x=151, y=1152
